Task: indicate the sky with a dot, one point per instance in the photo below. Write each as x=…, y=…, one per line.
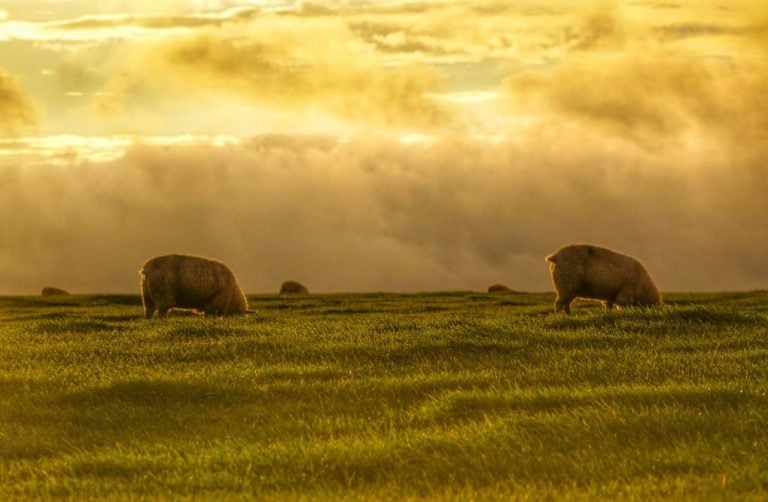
x=389, y=145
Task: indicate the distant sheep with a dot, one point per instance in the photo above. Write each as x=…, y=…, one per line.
x=597, y=273
x=293, y=287
x=499, y=288
x=190, y=282
x=51, y=291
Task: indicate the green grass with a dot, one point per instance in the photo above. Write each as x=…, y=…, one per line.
x=385, y=396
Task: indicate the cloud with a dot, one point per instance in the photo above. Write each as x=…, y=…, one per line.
x=600, y=28
x=277, y=65
x=435, y=31
x=75, y=76
x=15, y=107
x=151, y=22
x=623, y=128
x=650, y=97
x=110, y=27
x=376, y=214
x=697, y=29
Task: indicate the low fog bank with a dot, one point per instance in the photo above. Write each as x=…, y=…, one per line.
x=379, y=215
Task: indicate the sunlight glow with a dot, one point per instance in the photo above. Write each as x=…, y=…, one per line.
x=415, y=138
x=468, y=97
x=66, y=148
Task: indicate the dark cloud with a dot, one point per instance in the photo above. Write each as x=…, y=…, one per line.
x=495, y=8
x=691, y=30
x=597, y=30
x=15, y=107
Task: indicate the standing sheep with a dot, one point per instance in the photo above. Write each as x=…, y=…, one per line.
x=586, y=271
x=190, y=282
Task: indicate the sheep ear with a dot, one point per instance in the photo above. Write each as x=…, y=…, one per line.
x=551, y=258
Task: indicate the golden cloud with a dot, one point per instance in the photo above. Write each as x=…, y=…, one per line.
x=652, y=91
x=74, y=75
x=617, y=66
x=365, y=214
x=277, y=64
x=151, y=22
x=436, y=30
x=15, y=108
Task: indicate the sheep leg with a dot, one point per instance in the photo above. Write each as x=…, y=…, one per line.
x=149, y=308
x=149, y=304
x=563, y=303
x=564, y=287
x=162, y=311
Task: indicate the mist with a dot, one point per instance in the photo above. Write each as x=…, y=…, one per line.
x=383, y=215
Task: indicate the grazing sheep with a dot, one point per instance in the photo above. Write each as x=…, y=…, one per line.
x=51, y=291
x=190, y=282
x=586, y=271
x=291, y=287
x=499, y=288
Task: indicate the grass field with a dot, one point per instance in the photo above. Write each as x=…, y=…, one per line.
x=384, y=396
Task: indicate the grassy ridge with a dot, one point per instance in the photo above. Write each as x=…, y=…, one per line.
x=385, y=396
